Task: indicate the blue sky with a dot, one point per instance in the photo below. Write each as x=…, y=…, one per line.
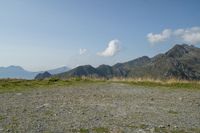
x=45, y=34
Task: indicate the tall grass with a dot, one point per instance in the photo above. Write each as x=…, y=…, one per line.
x=173, y=83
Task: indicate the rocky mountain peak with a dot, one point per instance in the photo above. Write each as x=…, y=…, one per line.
x=179, y=50
x=43, y=75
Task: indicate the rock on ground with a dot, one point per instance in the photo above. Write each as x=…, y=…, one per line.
x=101, y=108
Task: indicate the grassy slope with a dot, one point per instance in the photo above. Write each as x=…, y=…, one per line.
x=14, y=85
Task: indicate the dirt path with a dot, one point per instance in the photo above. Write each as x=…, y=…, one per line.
x=99, y=108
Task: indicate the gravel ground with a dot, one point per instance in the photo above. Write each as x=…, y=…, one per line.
x=99, y=108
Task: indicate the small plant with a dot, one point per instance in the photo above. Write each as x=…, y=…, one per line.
x=101, y=130
x=49, y=113
x=77, y=79
x=2, y=117
x=83, y=130
x=54, y=79
x=172, y=112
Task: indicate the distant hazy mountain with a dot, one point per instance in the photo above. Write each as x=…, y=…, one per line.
x=16, y=72
x=181, y=62
x=59, y=70
x=19, y=72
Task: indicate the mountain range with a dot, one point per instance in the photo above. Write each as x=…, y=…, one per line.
x=19, y=72
x=180, y=62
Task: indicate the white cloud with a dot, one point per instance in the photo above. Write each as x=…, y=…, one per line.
x=82, y=51
x=193, y=38
x=179, y=32
x=189, y=35
x=111, y=50
x=155, y=38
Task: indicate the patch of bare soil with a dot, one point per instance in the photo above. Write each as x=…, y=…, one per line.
x=101, y=108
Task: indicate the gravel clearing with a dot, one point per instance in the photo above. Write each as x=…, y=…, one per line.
x=100, y=108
